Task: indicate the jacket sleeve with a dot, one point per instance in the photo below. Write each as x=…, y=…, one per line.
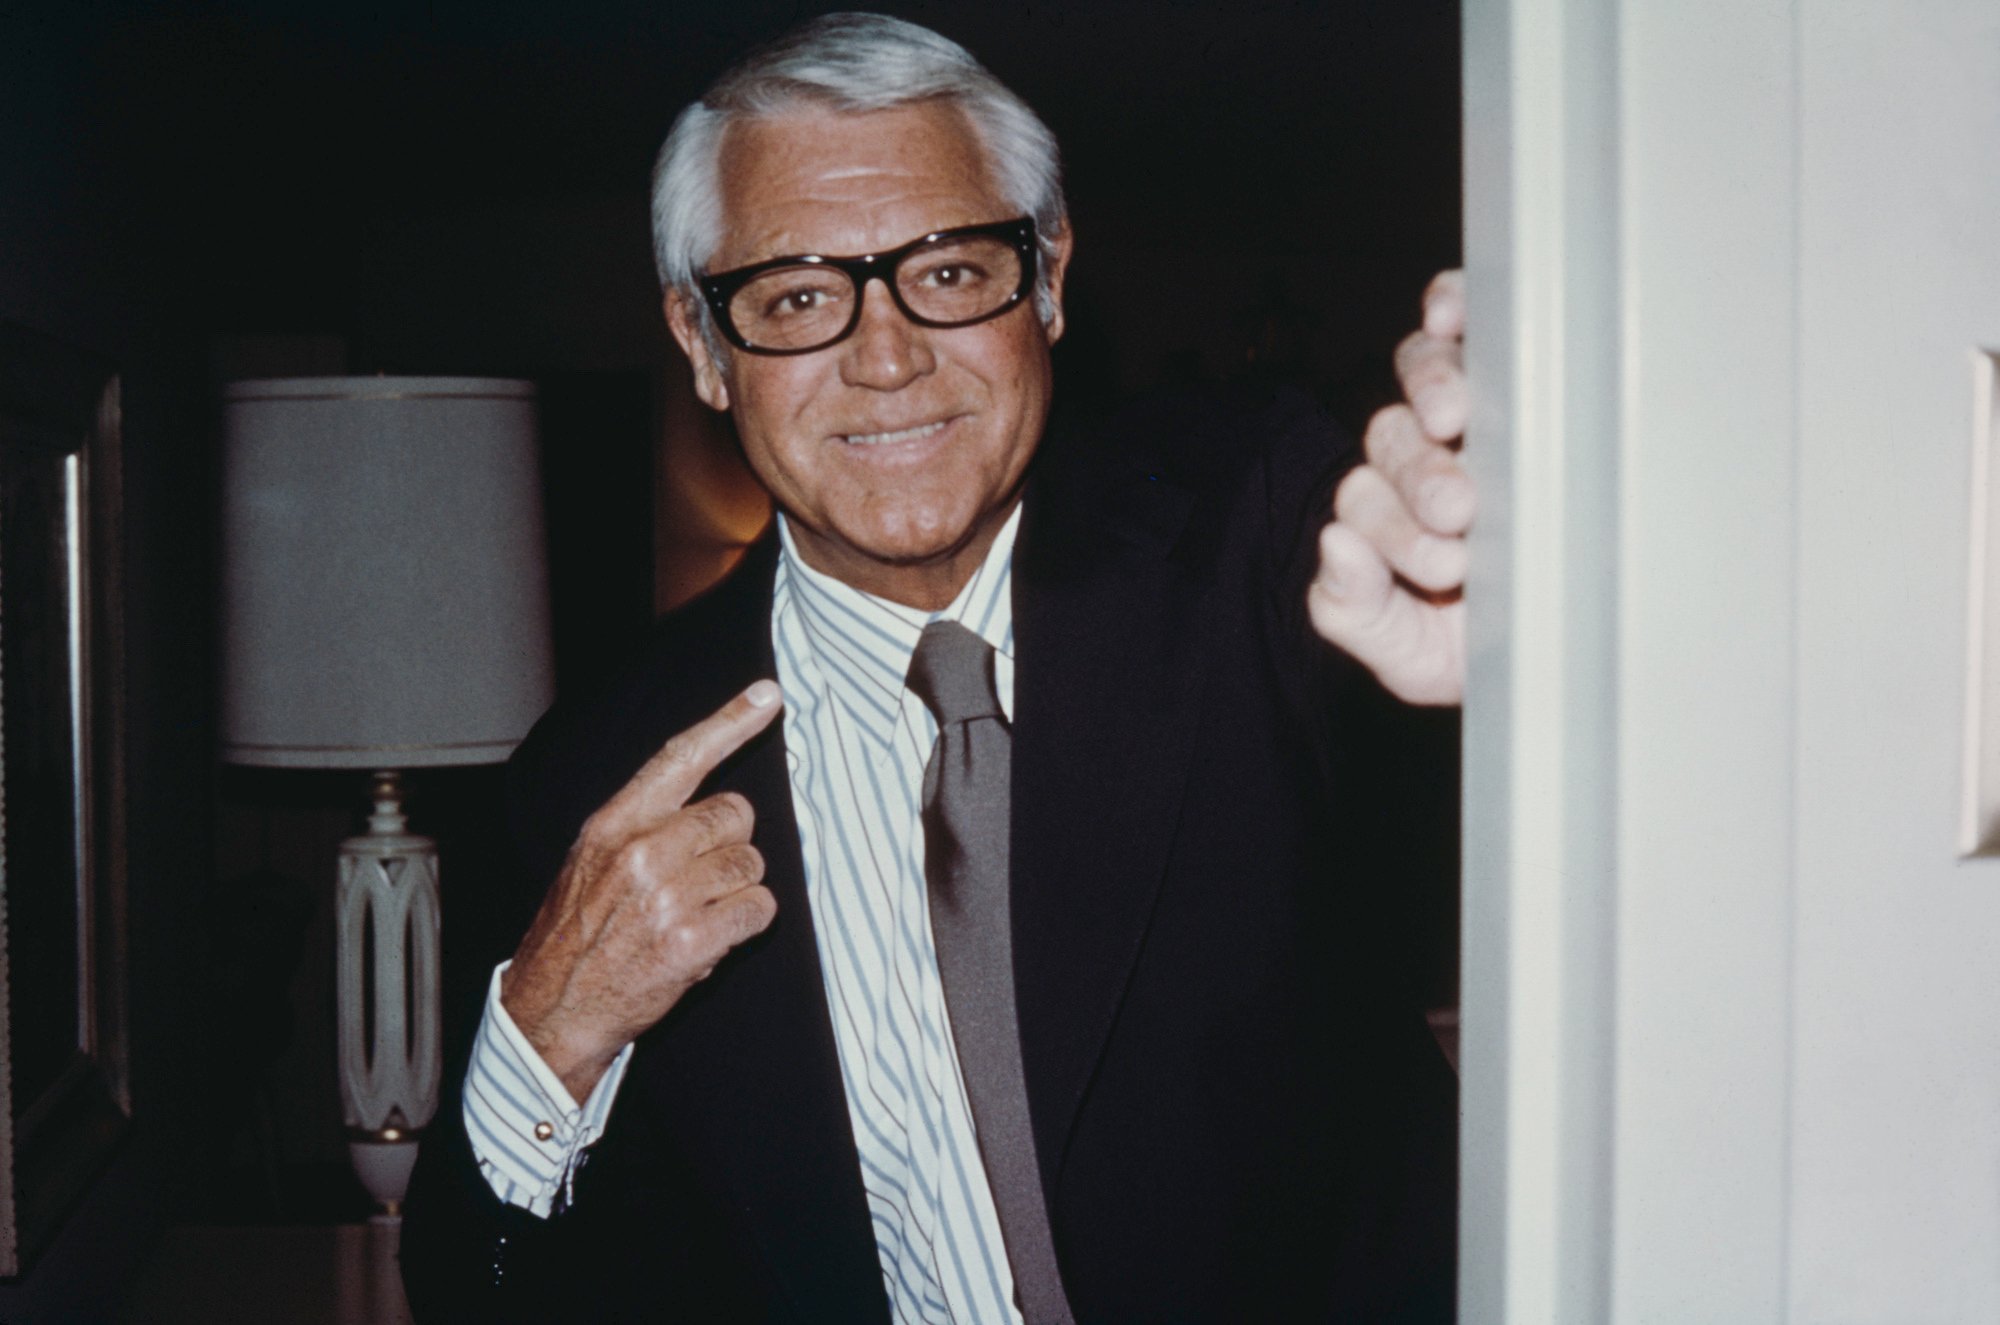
x=466, y=1254
x=638, y=1237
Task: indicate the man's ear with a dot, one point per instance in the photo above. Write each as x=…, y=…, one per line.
x=684, y=320
x=1058, y=265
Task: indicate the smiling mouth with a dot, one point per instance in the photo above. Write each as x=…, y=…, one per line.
x=915, y=434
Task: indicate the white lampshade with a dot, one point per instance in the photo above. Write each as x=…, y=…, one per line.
x=385, y=600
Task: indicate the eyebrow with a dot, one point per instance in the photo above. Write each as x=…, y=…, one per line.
x=710, y=270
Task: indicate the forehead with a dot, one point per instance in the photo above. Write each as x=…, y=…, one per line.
x=841, y=183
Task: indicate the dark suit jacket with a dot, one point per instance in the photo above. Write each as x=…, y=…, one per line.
x=1238, y=1116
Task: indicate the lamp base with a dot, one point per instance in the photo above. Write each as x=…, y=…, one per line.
x=387, y=954
x=384, y=1169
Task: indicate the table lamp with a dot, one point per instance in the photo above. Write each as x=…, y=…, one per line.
x=384, y=607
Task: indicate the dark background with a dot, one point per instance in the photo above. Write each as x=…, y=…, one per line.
x=204, y=190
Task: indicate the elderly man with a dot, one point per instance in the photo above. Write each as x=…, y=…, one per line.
x=1014, y=974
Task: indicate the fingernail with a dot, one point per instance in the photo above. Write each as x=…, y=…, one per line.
x=763, y=694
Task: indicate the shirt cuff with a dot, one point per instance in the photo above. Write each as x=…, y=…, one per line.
x=527, y=1131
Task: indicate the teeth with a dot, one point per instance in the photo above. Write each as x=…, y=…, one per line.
x=900, y=435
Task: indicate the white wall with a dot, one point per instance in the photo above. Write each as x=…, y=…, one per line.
x=1731, y=1051
x=1895, y=1191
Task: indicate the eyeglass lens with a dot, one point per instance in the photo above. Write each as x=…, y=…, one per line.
x=955, y=280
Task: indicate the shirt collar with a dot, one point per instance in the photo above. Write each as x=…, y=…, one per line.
x=863, y=644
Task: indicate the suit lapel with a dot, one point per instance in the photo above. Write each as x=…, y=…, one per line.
x=766, y=1120
x=1110, y=669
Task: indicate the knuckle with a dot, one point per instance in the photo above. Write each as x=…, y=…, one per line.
x=1330, y=617
x=678, y=755
x=596, y=835
x=1390, y=432
x=711, y=819
x=1449, y=565
x=1410, y=348
x=1437, y=466
x=1380, y=424
x=1345, y=547
x=687, y=941
x=698, y=816
x=1436, y=564
x=1360, y=495
x=1399, y=543
x=1330, y=537
x=1423, y=365
x=634, y=860
x=742, y=814
x=723, y=817
x=666, y=909
x=1404, y=425
x=1349, y=492
x=755, y=914
x=743, y=865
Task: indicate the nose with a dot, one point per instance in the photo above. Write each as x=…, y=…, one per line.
x=887, y=351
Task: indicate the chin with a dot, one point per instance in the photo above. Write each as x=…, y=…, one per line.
x=909, y=537
x=909, y=549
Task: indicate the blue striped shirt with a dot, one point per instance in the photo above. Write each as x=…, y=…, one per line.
x=856, y=741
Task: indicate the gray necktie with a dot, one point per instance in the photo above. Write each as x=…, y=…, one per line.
x=965, y=867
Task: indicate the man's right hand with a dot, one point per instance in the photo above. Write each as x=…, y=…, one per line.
x=654, y=893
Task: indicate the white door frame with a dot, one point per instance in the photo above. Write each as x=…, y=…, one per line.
x=1631, y=253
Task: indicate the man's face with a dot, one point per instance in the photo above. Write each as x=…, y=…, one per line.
x=897, y=453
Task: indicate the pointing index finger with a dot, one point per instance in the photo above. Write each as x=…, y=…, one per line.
x=667, y=780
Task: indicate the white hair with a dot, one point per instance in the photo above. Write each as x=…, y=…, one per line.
x=850, y=63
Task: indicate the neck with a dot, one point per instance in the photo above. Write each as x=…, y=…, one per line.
x=928, y=585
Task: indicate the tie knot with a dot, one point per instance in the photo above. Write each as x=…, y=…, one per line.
x=952, y=673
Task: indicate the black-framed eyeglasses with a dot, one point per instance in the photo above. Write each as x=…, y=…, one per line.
x=950, y=278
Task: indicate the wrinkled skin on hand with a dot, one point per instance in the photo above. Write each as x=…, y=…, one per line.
x=654, y=893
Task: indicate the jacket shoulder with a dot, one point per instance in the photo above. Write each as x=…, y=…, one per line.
x=1200, y=472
